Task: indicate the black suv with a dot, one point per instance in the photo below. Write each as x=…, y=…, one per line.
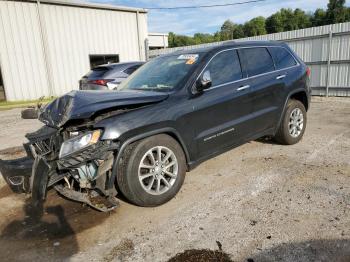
x=175, y=112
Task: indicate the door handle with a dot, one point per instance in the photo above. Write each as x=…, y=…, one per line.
x=281, y=77
x=243, y=88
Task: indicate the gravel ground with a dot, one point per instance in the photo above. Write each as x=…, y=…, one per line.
x=258, y=202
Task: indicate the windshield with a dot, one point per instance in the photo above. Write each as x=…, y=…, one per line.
x=162, y=73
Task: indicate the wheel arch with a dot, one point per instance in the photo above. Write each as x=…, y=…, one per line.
x=298, y=94
x=168, y=131
x=302, y=97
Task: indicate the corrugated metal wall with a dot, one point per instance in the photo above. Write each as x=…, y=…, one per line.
x=312, y=45
x=31, y=68
x=21, y=51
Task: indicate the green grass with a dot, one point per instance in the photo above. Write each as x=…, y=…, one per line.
x=20, y=104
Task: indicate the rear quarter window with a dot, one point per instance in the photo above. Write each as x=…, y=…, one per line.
x=283, y=58
x=256, y=60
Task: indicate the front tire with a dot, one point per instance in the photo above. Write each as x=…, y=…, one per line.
x=293, y=124
x=151, y=171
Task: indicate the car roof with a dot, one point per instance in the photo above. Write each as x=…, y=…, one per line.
x=226, y=45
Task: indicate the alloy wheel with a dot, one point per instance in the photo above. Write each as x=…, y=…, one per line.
x=296, y=123
x=158, y=170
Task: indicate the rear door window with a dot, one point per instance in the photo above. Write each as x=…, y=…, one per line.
x=225, y=68
x=283, y=59
x=257, y=60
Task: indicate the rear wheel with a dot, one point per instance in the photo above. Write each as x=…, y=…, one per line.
x=293, y=124
x=152, y=170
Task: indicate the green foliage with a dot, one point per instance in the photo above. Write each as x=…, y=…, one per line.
x=238, y=32
x=255, y=27
x=319, y=18
x=226, y=32
x=337, y=12
x=302, y=19
x=281, y=21
x=275, y=23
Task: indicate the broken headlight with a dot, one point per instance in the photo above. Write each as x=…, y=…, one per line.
x=80, y=142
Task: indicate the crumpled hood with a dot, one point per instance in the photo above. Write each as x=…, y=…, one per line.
x=85, y=104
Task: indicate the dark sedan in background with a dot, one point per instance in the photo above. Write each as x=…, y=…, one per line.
x=108, y=77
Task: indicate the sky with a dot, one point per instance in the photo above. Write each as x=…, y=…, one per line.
x=209, y=20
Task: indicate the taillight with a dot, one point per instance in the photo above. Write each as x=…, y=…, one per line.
x=308, y=71
x=100, y=82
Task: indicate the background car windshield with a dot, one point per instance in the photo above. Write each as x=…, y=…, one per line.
x=161, y=74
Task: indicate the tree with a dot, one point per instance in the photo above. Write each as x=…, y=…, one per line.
x=336, y=12
x=226, y=31
x=255, y=27
x=217, y=36
x=180, y=40
x=171, y=39
x=238, y=32
x=289, y=23
x=302, y=19
x=274, y=23
x=319, y=18
x=203, y=38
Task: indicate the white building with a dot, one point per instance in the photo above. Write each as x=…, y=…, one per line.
x=158, y=41
x=47, y=46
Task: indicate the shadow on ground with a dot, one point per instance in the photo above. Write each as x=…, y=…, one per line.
x=36, y=233
x=337, y=250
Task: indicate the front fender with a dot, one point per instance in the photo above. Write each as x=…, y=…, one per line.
x=167, y=130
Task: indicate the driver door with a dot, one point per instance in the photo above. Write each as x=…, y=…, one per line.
x=222, y=114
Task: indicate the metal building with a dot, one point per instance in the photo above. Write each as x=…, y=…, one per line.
x=46, y=46
x=158, y=40
x=325, y=49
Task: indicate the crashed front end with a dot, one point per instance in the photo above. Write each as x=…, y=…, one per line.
x=76, y=163
x=69, y=154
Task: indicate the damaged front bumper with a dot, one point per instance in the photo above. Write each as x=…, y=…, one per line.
x=82, y=176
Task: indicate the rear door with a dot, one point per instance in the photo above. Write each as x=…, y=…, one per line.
x=267, y=87
x=221, y=115
x=287, y=69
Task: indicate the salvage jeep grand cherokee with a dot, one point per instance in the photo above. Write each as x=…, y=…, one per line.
x=173, y=113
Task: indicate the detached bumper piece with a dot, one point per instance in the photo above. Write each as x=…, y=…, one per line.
x=39, y=180
x=17, y=173
x=92, y=198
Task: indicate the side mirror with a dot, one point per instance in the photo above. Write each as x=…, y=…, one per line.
x=204, y=82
